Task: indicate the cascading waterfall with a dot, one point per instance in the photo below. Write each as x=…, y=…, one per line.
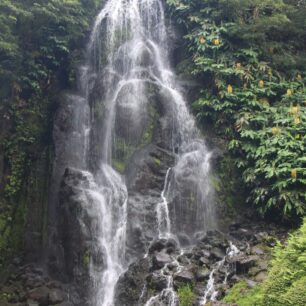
x=211, y=292
x=128, y=52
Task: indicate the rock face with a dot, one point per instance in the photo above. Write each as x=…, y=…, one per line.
x=130, y=285
x=76, y=239
x=31, y=286
x=145, y=176
x=223, y=257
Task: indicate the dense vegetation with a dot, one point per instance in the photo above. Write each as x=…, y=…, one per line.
x=40, y=44
x=250, y=59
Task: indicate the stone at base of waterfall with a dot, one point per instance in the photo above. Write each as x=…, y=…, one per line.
x=183, y=259
x=32, y=303
x=185, y=276
x=261, y=276
x=157, y=281
x=203, y=261
x=64, y=304
x=243, y=234
x=160, y=260
x=40, y=295
x=47, y=296
x=217, y=253
x=250, y=283
x=244, y=263
x=202, y=274
x=132, y=283
x=158, y=245
x=257, y=251
x=56, y=296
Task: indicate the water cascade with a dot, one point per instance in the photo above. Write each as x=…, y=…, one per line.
x=211, y=292
x=127, y=74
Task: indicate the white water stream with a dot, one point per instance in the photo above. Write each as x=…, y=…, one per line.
x=211, y=292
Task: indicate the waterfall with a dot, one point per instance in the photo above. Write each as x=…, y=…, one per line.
x=128, y=54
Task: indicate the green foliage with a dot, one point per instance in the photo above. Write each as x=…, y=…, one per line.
x=240, y=294
x=118, y=165
x=185, y=295
x=40, y=45
x=286, y=281
x=86, y=258
x=256, y=104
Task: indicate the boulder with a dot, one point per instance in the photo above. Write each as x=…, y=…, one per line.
x=32, y=303
x=170, y=245
x=57, y=296
x=202, y=275
x=132, y=283
x=185, y=276
x=157, y=281
x=203, y=261
x=244, y=263
x=39, y=295
x=257, y=250
x=261, y=276
x=217, y=253
x=160, y=260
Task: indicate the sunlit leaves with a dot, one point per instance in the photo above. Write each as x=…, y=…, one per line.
x=254, y=103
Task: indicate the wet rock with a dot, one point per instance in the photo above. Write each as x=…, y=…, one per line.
x=206, y=247
x=197, y=253
x=254, y=271
x=204, y=261
x=217, y=253
x=75, y=233
x=202, y=275
x=131, y=283
x=185, y=276
x=40, y=295
x=199, y=236
x=54, y=284
x=171, y=266
x=64, y=304
x=206, y=253
x=234, y=226
x=183, y=239
x=251, y=284
x=261, y=276
x=158, y=245
x=261, y=236
x=234, y=279
x=32, y=303
x=157, y=282
x=34, y=281
x=262, y=264
x=183, y=259
x=160, y=260
x=199, y=289
x=244, y=263
x=57, y=296
x=257, y=251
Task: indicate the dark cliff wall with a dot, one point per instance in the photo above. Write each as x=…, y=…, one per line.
x=41, y=46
